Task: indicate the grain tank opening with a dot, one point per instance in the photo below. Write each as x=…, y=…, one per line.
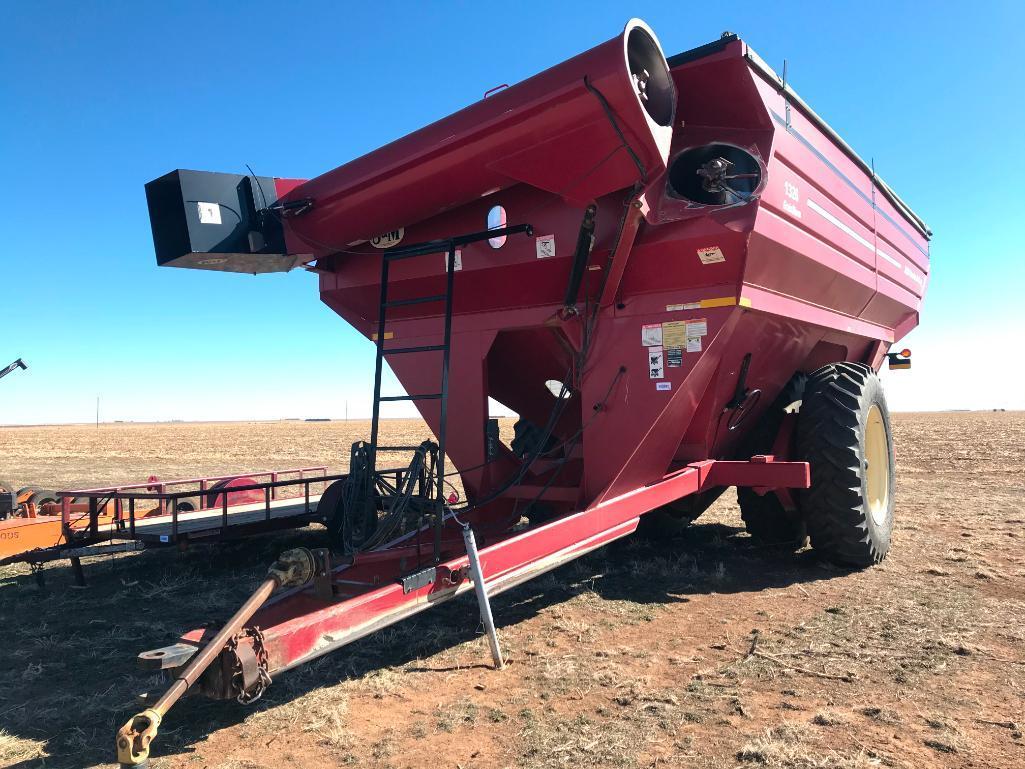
x=715, y=174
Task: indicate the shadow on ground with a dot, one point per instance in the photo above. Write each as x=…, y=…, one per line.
x=68, y=679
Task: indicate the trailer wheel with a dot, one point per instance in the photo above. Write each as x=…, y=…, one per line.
x=40, y=498
x=844, y=433
x=765, y=518
x=347, y=531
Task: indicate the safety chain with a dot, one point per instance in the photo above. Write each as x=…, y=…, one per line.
x=238, y=676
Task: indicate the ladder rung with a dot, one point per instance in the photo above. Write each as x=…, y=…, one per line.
x=426, y=397
x=391, y=257
x=422, y=348
x=415, y=300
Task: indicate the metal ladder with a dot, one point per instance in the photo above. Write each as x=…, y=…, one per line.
x=448, y=247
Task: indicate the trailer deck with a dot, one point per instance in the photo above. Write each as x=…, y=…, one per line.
x=208, y=523
x=98, y=521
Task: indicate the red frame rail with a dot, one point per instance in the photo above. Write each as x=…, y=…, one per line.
x=381, y=587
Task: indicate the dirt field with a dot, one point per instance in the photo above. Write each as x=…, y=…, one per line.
x=704, y=651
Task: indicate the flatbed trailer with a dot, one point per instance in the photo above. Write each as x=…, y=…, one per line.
x=125, y=518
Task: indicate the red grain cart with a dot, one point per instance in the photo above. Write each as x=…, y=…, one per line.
x=676, y=274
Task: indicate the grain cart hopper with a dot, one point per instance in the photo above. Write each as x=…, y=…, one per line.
x=676, y=274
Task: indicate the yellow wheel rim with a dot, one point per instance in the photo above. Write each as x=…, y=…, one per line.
x=877, y=459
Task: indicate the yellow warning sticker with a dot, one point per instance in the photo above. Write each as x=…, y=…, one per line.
x=674, y=333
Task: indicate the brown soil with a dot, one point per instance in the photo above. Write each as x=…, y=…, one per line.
x=704, y=651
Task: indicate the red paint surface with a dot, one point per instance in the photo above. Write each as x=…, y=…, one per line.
x=805, y=282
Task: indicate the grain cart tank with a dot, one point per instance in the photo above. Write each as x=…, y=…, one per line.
x=675, y=273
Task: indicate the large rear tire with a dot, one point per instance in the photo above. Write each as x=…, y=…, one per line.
x=765, y=518
x=676, y=517
x=844, y=433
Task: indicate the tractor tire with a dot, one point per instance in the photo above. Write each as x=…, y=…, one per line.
x=844, y=434
x=43, y=496
x=765, y=518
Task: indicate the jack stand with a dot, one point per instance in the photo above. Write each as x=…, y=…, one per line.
x=482, y=596
x=76, y=569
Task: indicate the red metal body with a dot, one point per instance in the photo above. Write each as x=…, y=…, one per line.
x=823, y=263
x=819, y=267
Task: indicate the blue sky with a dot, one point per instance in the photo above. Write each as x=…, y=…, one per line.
x=98, y=99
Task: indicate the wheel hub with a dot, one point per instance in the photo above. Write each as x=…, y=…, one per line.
x=877, y=459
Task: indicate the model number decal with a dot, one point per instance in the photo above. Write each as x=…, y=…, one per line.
x=793, y=194
x=389, y=239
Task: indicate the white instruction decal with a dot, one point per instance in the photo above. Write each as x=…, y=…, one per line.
x=687, y=306
x=793, y=195
x=663, y=386
x=651, y=334
x=656, y=370
x=458, y=261
x=694, y=344
x=711, y=255
x=545, y=246
x=209, y=213
x=698, y=327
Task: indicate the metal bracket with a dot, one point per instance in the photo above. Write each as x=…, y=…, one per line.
x=418, y=579
x=166, y=657
x=323, y=582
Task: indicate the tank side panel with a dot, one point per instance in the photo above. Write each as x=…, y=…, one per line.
x=825, y=235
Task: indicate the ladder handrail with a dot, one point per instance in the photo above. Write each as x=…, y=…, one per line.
x=447, y=246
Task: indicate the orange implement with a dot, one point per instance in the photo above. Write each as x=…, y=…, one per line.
x=41, y=527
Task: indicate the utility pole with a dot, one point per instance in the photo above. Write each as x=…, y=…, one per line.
x=97, y=412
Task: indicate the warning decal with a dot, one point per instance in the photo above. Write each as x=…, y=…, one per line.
x=651, y=334
x=697, y=327
x=457, y=262
x=674, y=357
x=656, y=369
x=711, y=255
x=674, y=333
x=694, y=344
x=209, y=213
x=545, y=246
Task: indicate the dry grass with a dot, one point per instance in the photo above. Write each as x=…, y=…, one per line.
x=79, y=456
x=636, y=656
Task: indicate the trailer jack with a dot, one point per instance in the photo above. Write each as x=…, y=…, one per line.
x=482, y=596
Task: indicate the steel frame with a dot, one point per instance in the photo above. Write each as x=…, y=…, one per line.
x=81, y=529
x=124, y=499
x=370, y=592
